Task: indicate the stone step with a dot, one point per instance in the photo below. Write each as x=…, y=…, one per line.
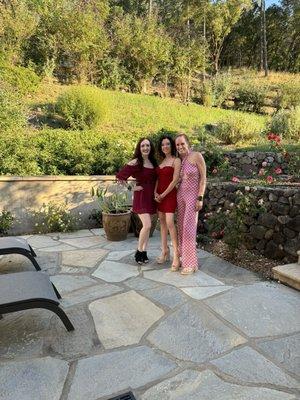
x=289, y=274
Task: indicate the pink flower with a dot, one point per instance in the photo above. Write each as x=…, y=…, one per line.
x=264, y=164
x=270, y=179
x=278, y=171
x=215, y=171
x=261, y=172
x=235, y=179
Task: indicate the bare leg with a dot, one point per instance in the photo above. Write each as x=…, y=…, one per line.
x=145, y=231
x=173, y=233
x=163, y=232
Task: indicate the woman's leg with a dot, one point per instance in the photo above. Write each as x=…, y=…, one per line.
x=145, y=231
x=173, y=233
x=163, y=232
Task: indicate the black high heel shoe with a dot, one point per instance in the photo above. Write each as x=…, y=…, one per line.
x=145, y=258
x=139, y=257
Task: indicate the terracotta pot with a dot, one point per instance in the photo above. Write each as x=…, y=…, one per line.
x=137, y=224
x=116, y=226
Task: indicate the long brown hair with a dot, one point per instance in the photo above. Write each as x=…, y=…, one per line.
x=138, y=154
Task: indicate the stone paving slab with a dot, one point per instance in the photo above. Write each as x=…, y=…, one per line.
x=71, y=345
x=167, y=296
x=118, y=255
x=111, y=271
x=89, y=294
x=22, y=333
x=285, y=351
x=194, y=385
x=41, y=241
x=38, y=379
x=227, y=272
x=83, y=258
x=60, y=247
x=76, y=234
x=139, y=283
x=123, y=319
x=176, y=279
x=200, y=293
x=85, y=242
x=192, y=333
x=248, y=365
x=274, y=309
x=68, y=283
x=110, y=373
x=123, y=245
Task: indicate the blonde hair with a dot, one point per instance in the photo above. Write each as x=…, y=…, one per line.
x=179, y=134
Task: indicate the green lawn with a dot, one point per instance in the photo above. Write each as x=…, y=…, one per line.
x=138, y=115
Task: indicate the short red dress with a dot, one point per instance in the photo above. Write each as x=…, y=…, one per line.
x=165, y=177
x=143, y=200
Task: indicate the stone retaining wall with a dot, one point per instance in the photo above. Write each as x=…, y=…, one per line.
x=248, y=163
x=276, y=233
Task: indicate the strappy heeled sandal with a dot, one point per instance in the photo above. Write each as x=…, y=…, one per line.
x=188, y=270
x=175, y=268
x=163, y=257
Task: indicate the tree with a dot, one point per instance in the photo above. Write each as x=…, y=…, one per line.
x=142, y=47
x=70, y=37
x=222, y=16
x=17, y=23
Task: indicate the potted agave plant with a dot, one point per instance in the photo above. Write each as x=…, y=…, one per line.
x=116, y=213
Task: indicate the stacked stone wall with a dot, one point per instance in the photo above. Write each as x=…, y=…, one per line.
x=276, y=232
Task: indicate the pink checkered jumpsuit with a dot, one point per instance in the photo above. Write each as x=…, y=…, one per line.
x=186, y=214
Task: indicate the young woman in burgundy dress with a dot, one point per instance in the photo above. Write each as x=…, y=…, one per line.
x=165, y=195
x=143, y=168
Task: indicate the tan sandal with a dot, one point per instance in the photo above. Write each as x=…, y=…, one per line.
x=175, y=268
x=164, y=257
x=188, y=270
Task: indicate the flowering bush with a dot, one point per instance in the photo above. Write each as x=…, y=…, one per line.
x=230, y=224
x=54, y=218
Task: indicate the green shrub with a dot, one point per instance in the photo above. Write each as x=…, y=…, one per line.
x=18, y=154
x=12, y=110
x=288, y=95
x=22, y=79
x=82, y=107
x=237, y=128
x=6, y=221
x=52, y=217
x=249, y=97
x=222, y=89
x=286, y=123
x=206, y=94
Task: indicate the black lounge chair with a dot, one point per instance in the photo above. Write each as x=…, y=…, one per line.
x=26, y=290
x=17, y=245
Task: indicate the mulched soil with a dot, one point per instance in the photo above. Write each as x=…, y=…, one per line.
x=244, y=258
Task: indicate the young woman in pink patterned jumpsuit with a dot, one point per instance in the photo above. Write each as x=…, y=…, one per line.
x=189, y=201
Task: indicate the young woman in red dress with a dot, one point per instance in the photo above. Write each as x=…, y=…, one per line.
x=143, y=168
x=165, y=194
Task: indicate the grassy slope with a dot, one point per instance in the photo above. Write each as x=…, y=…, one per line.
x=135, y=114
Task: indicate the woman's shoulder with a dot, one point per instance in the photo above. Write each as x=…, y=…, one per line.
x=196, y=156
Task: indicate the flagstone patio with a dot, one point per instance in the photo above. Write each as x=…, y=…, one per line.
x=221, y=334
